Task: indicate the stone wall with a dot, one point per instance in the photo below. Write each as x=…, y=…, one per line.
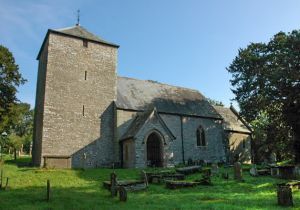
x=129, y=153
x=174, y=124
x=153, y=125
x=214, y=135
x=213, y=151
x=39, y=107
x=124, y=119
x=78, y=110
x=239, y=145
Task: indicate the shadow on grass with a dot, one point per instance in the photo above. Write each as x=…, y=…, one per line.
x=20, y=162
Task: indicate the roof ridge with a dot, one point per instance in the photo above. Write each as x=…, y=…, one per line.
x=156, y=82
x=66, y=28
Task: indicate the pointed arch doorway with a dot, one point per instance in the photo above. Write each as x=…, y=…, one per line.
x=155, y=150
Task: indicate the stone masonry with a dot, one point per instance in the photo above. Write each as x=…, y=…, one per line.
x=76, y=110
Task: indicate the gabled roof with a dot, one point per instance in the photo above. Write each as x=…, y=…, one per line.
x=232, y=120
x=137, y=95
x=140, y=120
x=77, y=32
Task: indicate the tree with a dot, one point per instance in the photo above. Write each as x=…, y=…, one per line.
x=266, y=78
x=10, y=79
x=20, y=132
x=215, y=102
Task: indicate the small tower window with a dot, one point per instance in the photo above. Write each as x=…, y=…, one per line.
x=200, y=137
x=244, y=144
x=82, y=110
x=85, y=75
x=85, y=43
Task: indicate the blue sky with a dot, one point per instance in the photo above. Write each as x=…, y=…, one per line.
x=186, y=43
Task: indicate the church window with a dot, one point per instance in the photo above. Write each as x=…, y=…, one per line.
x=85, y=43
x=82, y=110
x=85, y=75
x=200, y=137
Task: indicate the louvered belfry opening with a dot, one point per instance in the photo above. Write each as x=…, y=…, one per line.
x=154, y=150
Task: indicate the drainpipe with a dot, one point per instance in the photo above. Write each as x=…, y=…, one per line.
x=182, y=145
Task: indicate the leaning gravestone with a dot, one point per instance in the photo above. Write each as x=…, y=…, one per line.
x=253, y=170
x=238, y=174
x=214, y=168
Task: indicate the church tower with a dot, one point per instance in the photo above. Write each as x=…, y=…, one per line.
x=74, y=111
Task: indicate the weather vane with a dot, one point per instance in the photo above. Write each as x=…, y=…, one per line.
x=78, y=17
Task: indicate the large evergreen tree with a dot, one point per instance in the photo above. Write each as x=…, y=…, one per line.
x=266, y=78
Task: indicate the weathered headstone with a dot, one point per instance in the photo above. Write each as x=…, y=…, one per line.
x=274, y=171
x=207, y=172
x=156, y=179
x=253, y=170
x=225, y=175
x=113, y=186
x=123, y=194
x=284, y=195
x=190, y=162
x=238, y=174
x=214, y=169
x=145, y=178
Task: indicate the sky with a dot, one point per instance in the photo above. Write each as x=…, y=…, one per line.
x=186, y=43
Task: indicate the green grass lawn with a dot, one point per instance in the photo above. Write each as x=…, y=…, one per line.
x=78, y=189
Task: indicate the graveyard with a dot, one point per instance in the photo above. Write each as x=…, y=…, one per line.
x=83, y=189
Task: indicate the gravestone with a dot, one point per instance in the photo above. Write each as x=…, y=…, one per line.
x=284, y=195
x=253, y=170
x=214, y=168
x=123, y=194
x=207, y=172
x=274, y=171
x=113, y=186
x=225, y=175
x=238, y=172
x=156, y=179
x=145, y=178
x=190, y=162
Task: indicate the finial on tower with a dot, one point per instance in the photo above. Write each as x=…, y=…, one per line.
x=78, y=17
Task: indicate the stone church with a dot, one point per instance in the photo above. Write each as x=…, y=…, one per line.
x=88, y=116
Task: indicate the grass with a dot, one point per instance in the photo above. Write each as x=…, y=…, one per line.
x=78, y=189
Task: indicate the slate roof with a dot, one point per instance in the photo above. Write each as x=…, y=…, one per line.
x=138, y=95
x=232, y=121
x=139, y=121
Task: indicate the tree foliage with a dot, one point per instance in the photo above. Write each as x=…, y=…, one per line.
x=20, y=132
x=215, y=102
x=10, y=79
x=266, y=79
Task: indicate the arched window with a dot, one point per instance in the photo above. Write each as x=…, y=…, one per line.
x=200, y=137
